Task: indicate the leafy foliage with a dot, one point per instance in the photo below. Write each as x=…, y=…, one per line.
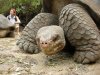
x=26, y=9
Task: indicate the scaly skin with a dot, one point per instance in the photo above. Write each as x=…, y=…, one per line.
x=27, y=41
x=81, y=32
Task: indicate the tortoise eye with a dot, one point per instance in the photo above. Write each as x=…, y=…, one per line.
x=55, y=38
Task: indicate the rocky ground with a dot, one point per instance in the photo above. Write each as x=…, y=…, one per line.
x=15, y=62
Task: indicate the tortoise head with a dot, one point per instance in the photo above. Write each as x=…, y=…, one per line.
x=50, y=43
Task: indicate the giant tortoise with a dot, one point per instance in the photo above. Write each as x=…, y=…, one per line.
x=6, y=27
x=80, y=20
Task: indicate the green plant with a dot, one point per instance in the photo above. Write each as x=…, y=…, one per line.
x=26, y=9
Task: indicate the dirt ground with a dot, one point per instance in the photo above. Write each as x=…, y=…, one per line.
x=15, y=62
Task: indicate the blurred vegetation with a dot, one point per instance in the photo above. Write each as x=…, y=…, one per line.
x=26, y=9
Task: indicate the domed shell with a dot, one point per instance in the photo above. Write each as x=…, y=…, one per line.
x=4, y=22
x=93, y=4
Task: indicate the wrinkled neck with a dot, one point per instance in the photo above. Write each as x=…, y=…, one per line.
x=57, y=5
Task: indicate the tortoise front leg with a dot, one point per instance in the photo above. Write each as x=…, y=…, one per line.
x=27, y=40
x=81, y=32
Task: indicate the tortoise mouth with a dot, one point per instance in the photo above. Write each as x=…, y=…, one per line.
x=53, y=49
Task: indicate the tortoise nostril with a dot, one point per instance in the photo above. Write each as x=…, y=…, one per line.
x=46, y=43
